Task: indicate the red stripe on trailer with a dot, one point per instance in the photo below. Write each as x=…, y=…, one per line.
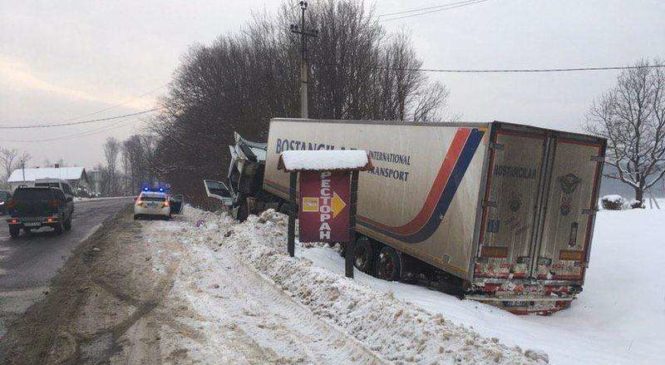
x=440, y=182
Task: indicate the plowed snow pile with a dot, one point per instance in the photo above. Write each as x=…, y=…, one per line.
x=379, y=326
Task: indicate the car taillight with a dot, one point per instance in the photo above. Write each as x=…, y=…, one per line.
x=165, y=204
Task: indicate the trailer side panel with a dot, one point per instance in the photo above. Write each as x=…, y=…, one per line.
x=423, y=194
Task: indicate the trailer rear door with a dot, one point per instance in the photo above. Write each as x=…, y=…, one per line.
x=569, y=209
x=510, y=205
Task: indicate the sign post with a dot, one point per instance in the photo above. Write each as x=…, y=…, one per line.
x=328, y=187
x=351, y=246
x=293, y=209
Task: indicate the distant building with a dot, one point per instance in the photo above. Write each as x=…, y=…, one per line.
x=76, y=176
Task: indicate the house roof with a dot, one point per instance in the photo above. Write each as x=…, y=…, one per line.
x=32, y=174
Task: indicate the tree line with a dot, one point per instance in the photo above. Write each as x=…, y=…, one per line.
x=241, y=81
x=127, y=167
x=357, y=71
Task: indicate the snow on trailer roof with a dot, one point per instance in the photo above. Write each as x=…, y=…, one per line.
x=304, y=160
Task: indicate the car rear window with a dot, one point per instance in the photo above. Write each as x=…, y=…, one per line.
x=153, y=198
x=33, y=194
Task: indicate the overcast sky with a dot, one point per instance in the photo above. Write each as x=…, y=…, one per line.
x=67, y=59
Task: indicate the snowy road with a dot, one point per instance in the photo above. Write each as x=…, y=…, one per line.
x=28, y=263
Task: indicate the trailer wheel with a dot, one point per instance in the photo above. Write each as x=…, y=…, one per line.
x=364, y=255
x=387, y=266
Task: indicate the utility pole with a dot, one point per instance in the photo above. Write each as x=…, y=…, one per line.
x=304, y=67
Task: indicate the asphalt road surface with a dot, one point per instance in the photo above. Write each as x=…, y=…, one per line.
x=28, y=263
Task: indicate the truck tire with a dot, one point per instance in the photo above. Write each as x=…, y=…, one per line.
x=14, y=231
x=364, y=255
x=68, y=224
x=387, y=265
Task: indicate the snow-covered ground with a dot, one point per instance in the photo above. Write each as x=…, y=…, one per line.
x=618, y=319
x=254, y=304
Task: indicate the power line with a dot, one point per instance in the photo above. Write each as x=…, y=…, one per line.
x=432, y=9
x=423, y=9
x=113, y=106
x=77, y=135
x=81, y=122
x=532, y=70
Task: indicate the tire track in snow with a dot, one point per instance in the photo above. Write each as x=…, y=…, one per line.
x=248, y=318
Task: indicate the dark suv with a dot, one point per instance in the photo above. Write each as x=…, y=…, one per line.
x=5, y=196
x=36, y=207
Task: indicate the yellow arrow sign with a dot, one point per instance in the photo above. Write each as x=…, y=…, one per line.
x=337, y=205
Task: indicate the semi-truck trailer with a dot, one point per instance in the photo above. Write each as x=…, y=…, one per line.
x=497, y=212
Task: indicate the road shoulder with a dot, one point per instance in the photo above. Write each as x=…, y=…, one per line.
x=45, y=333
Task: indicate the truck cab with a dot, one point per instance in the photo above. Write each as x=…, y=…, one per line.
x=242, y=191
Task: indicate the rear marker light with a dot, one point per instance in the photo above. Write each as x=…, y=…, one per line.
x=571, y=255
x=494, y=251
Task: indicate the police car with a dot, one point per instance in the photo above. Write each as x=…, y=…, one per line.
x=152, y=204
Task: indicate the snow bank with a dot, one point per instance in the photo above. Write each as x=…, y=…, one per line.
x=619, y=318
x=396, y=330
x=323, y=160
x=613, y=198
x=612, y=202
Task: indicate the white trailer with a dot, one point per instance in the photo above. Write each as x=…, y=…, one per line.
x=498, y=212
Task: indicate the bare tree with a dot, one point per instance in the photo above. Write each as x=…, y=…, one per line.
x=632, y=118
x=137, y=157
x=8, y=158
x=242, y=80
x=111, y=151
